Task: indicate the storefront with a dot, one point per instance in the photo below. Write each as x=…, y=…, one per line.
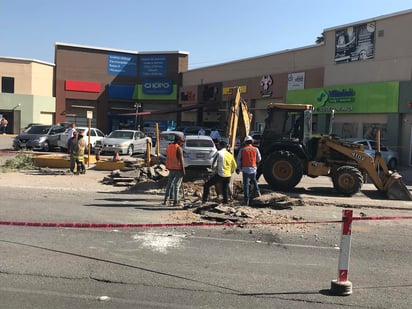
x=123, y=89
x=360, y=110
x=405, y=110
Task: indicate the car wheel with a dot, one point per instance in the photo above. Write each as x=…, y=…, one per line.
x=46, y=146
x=130, y=150
x=392, y=164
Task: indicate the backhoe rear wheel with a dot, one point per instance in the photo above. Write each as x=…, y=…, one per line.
x=283, y=170
x=347, y=180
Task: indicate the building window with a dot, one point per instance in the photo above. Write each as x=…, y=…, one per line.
x=7, y=84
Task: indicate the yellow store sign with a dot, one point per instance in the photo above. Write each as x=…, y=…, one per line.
x=229, y=90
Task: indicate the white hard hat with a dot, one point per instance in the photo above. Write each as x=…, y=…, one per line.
x=248, y=138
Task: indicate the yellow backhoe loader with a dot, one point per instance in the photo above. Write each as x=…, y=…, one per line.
x=289, y=151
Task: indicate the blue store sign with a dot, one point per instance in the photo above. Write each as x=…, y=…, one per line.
x=153, y=66
x=158, y=86
x=122, y=64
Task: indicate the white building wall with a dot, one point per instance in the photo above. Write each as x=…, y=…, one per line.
x=288, y=61
x=393, y=53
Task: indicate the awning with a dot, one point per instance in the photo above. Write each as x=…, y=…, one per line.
x=160, y=112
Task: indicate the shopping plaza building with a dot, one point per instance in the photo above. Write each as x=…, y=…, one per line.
x=362, y=71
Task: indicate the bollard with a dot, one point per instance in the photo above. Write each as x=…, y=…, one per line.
x=342, y=286
x=148, y=148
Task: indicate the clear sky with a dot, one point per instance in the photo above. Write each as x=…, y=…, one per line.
x=212, y=31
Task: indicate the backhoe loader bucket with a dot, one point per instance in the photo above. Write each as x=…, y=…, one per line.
x=395, y=188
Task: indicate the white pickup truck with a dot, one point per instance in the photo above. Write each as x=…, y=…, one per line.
x=95, y=135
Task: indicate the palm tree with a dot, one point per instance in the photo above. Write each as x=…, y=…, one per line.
x=320, y=39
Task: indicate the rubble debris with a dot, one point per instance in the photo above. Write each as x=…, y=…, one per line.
x=153, y=180
x=276, y=200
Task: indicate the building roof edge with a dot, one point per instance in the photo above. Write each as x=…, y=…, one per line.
x=119, y=50
x=27, y=60
x=370, y=20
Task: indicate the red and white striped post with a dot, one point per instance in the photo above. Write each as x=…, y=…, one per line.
x=343, y=286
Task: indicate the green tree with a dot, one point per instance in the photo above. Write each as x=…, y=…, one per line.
x=320, y=39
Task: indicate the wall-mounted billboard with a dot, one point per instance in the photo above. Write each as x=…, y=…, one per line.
x=122, y=64
x=355, y=43
x=153, y=66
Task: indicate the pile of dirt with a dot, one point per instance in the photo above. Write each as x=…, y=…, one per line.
x=268, y=209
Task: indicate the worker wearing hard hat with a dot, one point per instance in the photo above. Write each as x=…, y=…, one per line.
x=247, y=161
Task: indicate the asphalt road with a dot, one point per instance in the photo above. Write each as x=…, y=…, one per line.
x=190, y=267
x=279, y=266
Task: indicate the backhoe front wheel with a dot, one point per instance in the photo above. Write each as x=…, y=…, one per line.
x=283, y=170
x=347, y=180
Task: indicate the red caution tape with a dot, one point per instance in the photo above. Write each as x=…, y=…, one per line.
x=382, y=218
x=149, y=225
x=166, y=225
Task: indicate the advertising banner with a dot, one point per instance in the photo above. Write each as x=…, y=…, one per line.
x=153, y=66
x=355, y=43
x=296, y=81
x=364, y=98
x=122, y=64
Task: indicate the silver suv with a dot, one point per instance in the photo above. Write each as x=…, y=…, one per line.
x=38, y=137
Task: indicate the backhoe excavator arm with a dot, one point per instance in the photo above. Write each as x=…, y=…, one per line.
x=386, y=181
x=239, y=119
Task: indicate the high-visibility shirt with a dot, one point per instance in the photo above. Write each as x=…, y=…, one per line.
x=245, y=156
x=172, y=161
x=226, y=163
x=249, y=154
x=80, y=148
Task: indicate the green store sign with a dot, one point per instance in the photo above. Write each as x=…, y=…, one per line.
x=365, y=98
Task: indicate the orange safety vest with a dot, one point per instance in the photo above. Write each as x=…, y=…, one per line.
x=172, y=162
x=249, y=156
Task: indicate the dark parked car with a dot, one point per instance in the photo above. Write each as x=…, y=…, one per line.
x=38, y=137
x=30, y=125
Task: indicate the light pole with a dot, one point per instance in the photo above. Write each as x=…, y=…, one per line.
x=137, y=106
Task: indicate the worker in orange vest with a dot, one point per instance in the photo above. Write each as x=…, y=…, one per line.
x=247, y=161
x=175, y=165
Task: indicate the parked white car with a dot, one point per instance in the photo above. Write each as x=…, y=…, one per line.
x=199, y=151
x=95, y=135
x=124, y=142
x=166, y=138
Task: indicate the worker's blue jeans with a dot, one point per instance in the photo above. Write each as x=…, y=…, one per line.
x=247, y=179
x=173, y=185
x=72, y=163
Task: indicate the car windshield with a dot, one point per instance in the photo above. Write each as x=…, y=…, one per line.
x=167, y=137
x=201, y=143
x=38, y=130
x=121, y=134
